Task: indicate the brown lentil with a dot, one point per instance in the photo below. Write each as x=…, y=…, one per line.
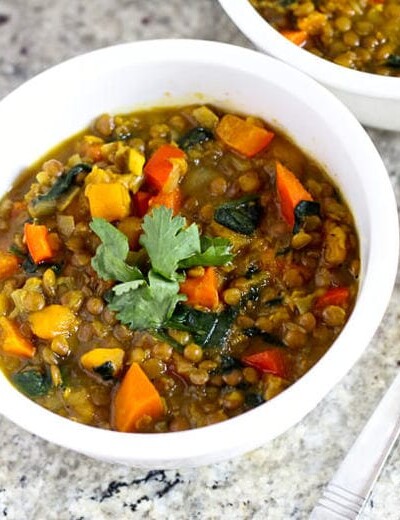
x=162, y=351
x=193, y=353
x=137, y=355
x=233, y=378
x=95, y=305
x=60, y=346
x=232, y=296
x=153, y=367
x=233, y=400
x=198, y=377
x=249, y=181
x=334, y=316
x=218, y=186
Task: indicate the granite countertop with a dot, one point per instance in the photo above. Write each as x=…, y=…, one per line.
x=281, y=480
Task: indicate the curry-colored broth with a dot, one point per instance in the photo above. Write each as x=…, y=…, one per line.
x=278, y=280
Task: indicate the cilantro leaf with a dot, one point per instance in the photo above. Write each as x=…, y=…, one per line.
x=167, y=241
x=214, y=251
x=148, y=306
x=109, y=261
x=122, y=288
x=148, y=303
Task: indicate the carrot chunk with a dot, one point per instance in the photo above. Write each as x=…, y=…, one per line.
x=202, y=290
x=9, y=264
x=271, y=361
x=171, y=200
x=242, y=136
x=38, y=243
x=297, y=37
x=13, y=342
x=290, y=192
x=135, y=398
x=334, y=296
x=110, y=201
x=160, y=166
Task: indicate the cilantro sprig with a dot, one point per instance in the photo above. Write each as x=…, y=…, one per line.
x=167, y=241
x=148, y=300
x=109, y=261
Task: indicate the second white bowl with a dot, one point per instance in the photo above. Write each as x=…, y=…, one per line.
x=374, y=99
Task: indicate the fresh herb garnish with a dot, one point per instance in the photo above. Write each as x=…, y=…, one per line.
x=148, y=305
x=168, y=241
x=146, y=301
x=109, y=261
x=213, y=251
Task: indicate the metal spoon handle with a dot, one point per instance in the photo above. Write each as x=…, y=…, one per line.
x=347, y=492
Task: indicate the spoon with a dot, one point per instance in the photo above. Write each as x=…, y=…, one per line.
x=346, y=494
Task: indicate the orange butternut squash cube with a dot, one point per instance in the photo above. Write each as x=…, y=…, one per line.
x=110, y=201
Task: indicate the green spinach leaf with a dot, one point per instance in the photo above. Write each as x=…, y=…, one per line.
x=209, y=329
x=241, y=215
x=195, y=136
x=33, y=383
x=63, y=183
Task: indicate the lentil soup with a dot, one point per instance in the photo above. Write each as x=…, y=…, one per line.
x=171, y=268
x=359, y=34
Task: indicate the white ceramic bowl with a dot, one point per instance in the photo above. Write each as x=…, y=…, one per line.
x=63, y=100
x=374, y=99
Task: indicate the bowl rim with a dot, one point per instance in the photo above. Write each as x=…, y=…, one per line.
x=218, y=441
x=265, y=37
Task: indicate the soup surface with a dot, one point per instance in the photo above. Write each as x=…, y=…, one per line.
x=169, y=269
x=359, y=34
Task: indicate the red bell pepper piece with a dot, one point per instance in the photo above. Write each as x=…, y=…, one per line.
x=141, y=201
x=334, y=296
x=272, y=361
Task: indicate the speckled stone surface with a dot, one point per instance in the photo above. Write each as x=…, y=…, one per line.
x=279, y=481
